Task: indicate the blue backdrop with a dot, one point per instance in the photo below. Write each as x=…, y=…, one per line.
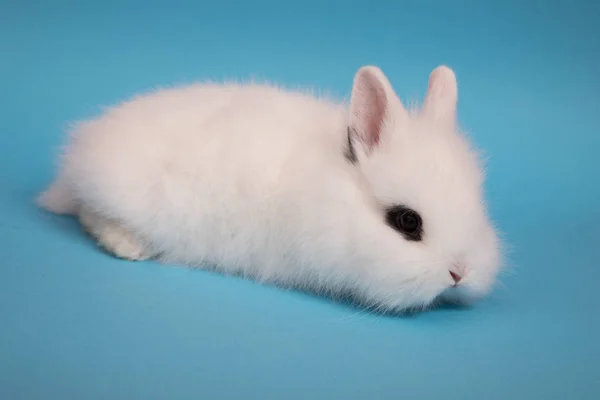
x=78, y=324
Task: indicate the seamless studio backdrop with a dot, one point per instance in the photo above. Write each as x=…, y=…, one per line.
x=76, y=323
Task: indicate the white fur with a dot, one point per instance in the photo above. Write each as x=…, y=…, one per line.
x=251, y=179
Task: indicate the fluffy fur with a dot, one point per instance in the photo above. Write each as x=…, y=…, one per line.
x=252, y=179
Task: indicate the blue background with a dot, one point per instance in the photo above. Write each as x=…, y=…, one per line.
x=78, y=324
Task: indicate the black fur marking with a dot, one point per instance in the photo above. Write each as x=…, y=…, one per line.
x=406, y=221
x=350, y=153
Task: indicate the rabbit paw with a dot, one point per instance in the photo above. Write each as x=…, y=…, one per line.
x=113, y=237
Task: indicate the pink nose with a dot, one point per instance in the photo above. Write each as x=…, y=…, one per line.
x=456, y=277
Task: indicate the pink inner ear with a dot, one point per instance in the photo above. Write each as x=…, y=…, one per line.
x=377, y=115
x=372, y=111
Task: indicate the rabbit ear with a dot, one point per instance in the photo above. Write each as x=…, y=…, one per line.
x=442, y=96
x=372, y=103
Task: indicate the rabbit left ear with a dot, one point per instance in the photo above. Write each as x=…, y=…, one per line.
x=442, y=96
x=373, y=103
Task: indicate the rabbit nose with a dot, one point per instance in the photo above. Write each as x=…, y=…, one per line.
x=456, y=277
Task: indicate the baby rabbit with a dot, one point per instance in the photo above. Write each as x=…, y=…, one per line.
x=289, y=189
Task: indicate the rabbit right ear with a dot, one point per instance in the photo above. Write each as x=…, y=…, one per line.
x=442, y=96
x=372, y=103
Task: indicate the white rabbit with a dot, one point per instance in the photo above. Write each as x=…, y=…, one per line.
x=290, y=189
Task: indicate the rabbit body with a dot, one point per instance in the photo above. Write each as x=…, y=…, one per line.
x=288, y=188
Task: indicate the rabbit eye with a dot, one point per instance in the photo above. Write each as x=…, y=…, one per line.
x=406, y=221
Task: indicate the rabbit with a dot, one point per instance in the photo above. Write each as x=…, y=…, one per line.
x=290, y=189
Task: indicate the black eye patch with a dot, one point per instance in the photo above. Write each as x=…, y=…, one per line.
x=406, y=221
